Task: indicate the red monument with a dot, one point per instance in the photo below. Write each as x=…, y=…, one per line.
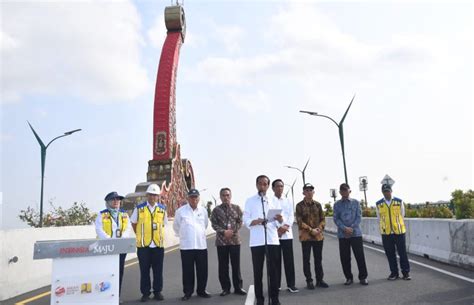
x=173, y=174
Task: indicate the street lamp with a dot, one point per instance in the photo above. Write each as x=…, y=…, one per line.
x=301, y=171
x=43, y=161
x=341, y=130
x=292, y=193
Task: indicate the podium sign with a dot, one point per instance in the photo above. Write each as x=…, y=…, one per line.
x=84, y=271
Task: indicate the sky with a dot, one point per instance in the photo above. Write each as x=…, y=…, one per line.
x=246, y=69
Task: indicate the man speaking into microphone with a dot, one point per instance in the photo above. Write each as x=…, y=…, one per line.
x=263, y=236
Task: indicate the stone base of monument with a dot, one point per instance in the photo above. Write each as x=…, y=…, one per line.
x=174, y=177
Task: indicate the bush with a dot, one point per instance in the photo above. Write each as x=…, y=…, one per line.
x=443, y=212
x=369, y=212
x=411, y=213
x=328, y=210
x=463, y=203
x=76, y=215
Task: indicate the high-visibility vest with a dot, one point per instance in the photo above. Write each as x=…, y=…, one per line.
x=150, y=226
x=107, y=220
x=391, y=218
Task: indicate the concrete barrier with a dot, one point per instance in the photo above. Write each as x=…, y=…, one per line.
x=27, y=274
x=445, y=240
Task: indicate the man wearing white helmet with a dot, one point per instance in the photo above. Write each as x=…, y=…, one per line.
x=148, y=221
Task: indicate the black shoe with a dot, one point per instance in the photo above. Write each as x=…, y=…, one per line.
x=186, y=297
x=364, y=282
x=392, y=277
x=348, y=282
x=322, y=284
x=158, y=296
x=293, y=289
x=406, y=276
x=310, y=285
x=240, y=291
x=204, y=294
x=224, y=293
x=144, y=298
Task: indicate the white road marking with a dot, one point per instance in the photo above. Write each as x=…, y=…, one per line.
x=430, y=267
x=250, y=296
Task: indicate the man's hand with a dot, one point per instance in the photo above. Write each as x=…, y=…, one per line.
x=348, y=231
x=278, y=218
x=315, y=232
x=282, y=230
x=228, y=234
x=257, y=221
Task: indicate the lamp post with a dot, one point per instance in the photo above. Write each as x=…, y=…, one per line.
x=341, y=130
x=301, y=171
x=292, y=193
x=43, y=161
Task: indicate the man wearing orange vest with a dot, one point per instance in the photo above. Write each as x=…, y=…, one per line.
x=390, y=212
x=114, y=223
x=148, y=221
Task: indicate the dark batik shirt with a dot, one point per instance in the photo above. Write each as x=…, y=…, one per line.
x=223, y=217
x=310, y=215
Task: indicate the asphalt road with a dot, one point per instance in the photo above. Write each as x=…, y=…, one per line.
x=427, y=286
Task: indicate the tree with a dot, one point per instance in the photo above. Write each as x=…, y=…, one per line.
x=328, y=208
x=463, y=203
x=76, y=215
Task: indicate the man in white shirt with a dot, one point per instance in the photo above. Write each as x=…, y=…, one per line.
x=190, y=224
x=148, y=221
x=255, y=211
x=285, y=233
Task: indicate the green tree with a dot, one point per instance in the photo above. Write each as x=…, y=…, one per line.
x=328, y=209
x=463, y=203
x=78, y=214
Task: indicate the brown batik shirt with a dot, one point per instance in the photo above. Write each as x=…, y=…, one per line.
x=226, y=217
x=309, y=215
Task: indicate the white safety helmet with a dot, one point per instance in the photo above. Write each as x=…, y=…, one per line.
x=153, y=189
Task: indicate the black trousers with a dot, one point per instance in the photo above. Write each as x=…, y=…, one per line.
x=317, y=247
x=121, y=268
x=190, y=259
x=286, y=246
x=258, y=259
x=389, y=243
x=345, y=245
x=224, y=253
x=151, y=258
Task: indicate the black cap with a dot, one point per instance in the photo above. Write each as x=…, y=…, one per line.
x=193, y=193
x=386, y=187
x=113, y=195
x=344, y=187
x=308, y=186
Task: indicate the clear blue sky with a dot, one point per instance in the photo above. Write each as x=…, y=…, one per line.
x=246, y=69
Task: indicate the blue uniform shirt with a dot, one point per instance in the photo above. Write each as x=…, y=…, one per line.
x=347, y=213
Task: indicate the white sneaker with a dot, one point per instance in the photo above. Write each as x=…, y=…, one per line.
x=293, y=289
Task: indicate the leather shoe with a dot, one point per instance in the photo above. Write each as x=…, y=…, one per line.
x=310, y=285
x=240, y=291
x=144, y=298
x=186, y=297
x=224, y=293
x=348, y=282
x=158, y=296
x=322, y=284
x=364, y=282
x=204, y=294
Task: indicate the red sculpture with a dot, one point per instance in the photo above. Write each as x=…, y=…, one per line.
x=173, y=174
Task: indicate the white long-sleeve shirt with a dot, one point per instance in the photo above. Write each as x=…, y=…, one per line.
x=253, y=211
x=99, y=228
x=151, y=208
x=190, y=225
x=288, y=215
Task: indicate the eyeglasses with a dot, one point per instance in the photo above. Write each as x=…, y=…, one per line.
x=225, y=195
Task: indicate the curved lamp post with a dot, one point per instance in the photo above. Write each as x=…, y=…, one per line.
x=43, y=161
x=341, y=130
x=301, y=171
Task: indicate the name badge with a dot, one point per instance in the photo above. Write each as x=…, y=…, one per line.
x=118, y=233
x=155, y=226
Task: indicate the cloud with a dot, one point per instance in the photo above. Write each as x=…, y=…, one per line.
x=157, y=33
x=254, y=102
x=230, y=36
x=86, y=49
